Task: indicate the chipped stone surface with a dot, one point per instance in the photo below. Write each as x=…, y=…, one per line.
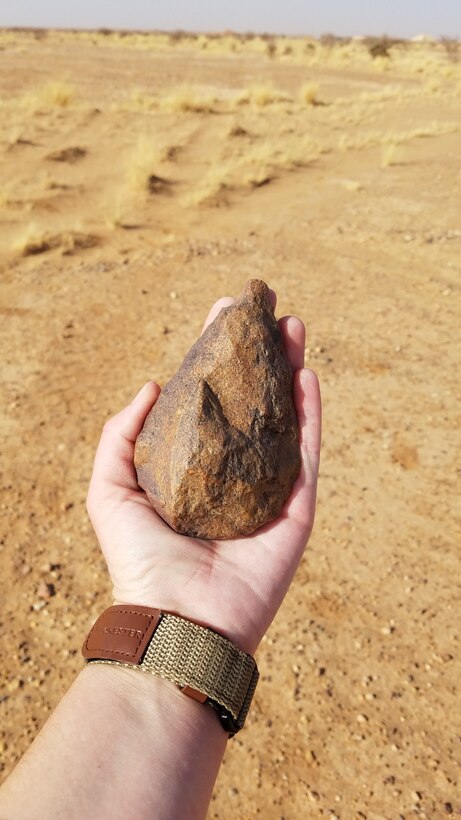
x=219, y=453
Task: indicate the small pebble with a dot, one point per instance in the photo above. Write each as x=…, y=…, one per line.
x=45, y=590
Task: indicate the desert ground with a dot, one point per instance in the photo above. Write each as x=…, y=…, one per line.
x=141, y=178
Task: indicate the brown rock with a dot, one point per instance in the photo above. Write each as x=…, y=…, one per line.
x=218, y=453
x=45, y=590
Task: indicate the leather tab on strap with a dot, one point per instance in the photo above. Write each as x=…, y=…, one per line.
x=122, y=633
x=194, y=693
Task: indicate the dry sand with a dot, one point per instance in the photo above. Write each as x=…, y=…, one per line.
x=350, y=209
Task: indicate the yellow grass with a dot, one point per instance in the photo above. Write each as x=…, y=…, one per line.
x=372, y=138
x=34, y=240
x=256, y=177
x=188, y=98
x=58, y=94
x=254, y=165
x=30, y=237
x=380, y=95
x=308, y=93
x=259, y=95
x=145, y=160
x=211, y=190
x=116, y=213
x=389, y=153
x=351, y=185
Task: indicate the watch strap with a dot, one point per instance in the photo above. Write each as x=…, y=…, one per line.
x=203, y=663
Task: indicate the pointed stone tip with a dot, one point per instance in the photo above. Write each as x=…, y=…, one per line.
x=257, y=290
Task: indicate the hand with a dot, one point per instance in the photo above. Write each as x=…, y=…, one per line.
x=233, y=586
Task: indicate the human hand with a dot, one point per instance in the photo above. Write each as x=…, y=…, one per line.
x=234, y=586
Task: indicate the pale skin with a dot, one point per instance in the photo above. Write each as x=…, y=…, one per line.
x=123, y=743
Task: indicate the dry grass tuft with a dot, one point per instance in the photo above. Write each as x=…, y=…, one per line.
x=308, y=93
x=72, y=154
x=238, y=131
x=252, y=164
x=260, y=164
x=119, y=213
x=211, y=190
x=351, y=185
x=35, y=241
x=157, y=185
x=51, y=95
x=188, y=99
x=58, y=94
x=260, y=96
x=144, y=162
x=257, y=177
x=373, y=138
x=389, y=152
x=17, y=142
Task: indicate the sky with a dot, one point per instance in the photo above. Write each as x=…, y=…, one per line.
x=403, y=18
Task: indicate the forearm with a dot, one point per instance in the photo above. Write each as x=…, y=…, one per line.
x=121, y=744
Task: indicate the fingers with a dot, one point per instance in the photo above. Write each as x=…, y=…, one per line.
x=113, y=466
x=306, y=391
x=294, y=337
x=273, y=298
x=226, y=301
x=309, y=408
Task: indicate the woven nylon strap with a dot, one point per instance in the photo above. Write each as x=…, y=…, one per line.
x=190, y=655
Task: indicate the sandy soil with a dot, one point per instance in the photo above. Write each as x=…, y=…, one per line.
x=350, y=209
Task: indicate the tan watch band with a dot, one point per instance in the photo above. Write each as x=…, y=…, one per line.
x=205, y=665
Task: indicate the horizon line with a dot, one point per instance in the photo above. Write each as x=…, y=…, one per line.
x=106, y=30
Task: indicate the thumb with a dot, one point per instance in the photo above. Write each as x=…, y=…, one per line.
x=113, y=472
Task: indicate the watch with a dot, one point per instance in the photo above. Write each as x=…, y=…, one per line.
x=205, y=665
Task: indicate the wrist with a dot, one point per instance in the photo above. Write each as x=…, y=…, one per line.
x=156, y=705
x=140, y=748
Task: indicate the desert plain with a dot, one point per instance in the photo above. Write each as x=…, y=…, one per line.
x=142, y=177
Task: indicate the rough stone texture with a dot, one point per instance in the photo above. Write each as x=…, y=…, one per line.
x=218, y=453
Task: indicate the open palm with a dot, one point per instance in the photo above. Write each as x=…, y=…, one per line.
x=234, y=586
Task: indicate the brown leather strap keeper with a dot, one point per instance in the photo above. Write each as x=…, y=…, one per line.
x=121, y=634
